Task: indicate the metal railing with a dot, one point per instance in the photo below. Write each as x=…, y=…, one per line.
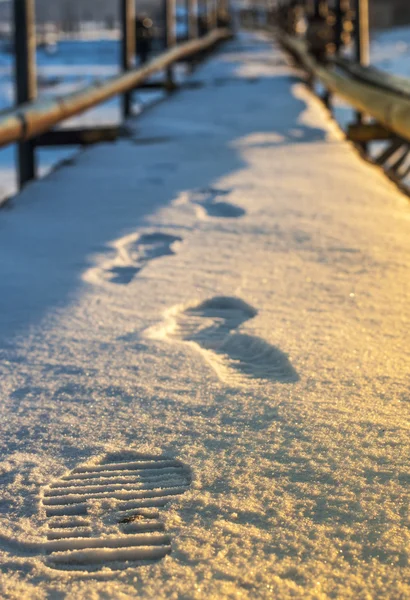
x=30, y=123
x=333, y=49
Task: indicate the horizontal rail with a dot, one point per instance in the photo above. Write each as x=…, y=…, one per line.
x=385, y=104
x=375, y=77
x=34, y=118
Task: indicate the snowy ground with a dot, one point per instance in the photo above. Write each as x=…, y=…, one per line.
x=215, y=311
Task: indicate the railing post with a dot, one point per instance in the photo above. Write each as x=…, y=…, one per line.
x=188, y=18
x=25, y=79
x=362, y=40
x=170, y=37
x=193, y=14
x=362, y=32
x=223, y=9
x=338, y=25
x=202, y=17
x=214, y=14
x=310, y=8
x=217, y=11
x=211, y=14
x=128, y=48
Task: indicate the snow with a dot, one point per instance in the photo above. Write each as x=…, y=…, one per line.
x=230, y=298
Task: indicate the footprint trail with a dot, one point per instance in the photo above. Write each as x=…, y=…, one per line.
x=236, y=357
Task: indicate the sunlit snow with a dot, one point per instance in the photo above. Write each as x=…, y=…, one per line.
x=229, y=303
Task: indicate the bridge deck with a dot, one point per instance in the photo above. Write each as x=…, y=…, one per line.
x=229, y=286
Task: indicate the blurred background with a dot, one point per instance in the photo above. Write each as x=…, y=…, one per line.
x=78, y=42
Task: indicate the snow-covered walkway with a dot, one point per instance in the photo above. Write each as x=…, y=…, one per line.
x=215, y=312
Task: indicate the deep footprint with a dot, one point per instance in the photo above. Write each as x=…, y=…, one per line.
x=236, y=357
x=138, y=254
x=108, y=514
x=207, y=199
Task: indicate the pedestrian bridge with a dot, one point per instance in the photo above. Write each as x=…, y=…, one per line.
x=204, y=375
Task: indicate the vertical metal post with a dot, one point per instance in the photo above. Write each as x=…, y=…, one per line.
x=170, y=23
x=230, y=12
x=217, y=9
x=193, y=14
x=224, y=11
x=310, y=7
x=206, y=15
x=211, y=6
x=170, y=37
x=25, y=79
x=271, y=13
x=187, y=17
x=128, y=48
x=338, y=25
x=362, y=32
x=362, y=40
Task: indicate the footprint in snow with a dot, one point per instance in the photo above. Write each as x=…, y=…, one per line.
x=236, y=357
x=133, y=253
x=107, y=514
x=208, y=201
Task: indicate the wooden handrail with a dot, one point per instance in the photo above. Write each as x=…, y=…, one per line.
x=384, y=103
x=374, y=76
x=32, y=119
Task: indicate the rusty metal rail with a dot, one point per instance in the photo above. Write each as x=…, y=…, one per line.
x=34, y=118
